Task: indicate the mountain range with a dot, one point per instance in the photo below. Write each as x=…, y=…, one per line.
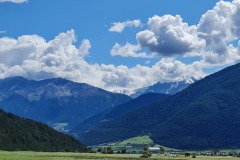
x=60, y=103
x=27, y=135
x=205, y=115
x=164, y=88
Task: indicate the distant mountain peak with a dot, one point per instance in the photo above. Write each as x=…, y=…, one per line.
x=164, y=87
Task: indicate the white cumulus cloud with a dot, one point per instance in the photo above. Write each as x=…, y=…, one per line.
x=85, y=47
x=219, y=27
x=169, y=35
x=14, y=1
x=120, y=26
x=33, y=57
x=213, y=39
x=122, y=78
x=129, y=50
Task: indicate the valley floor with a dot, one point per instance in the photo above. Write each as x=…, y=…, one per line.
x=88, y=156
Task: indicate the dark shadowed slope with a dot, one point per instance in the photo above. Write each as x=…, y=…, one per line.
x=203, y=116
x=118, y=111
x=58, y=102
x=24, y=134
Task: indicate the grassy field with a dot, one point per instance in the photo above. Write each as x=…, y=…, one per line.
x=85, y=156
x=135, y=144
x=132, y=144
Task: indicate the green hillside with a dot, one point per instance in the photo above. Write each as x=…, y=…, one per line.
x=27, y=135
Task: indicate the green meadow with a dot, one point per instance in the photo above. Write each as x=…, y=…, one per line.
x=88, y=156
x=132, y=145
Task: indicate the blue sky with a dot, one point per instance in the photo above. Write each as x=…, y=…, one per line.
x=122, y=60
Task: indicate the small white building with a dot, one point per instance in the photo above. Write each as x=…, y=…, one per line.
x=154, y=150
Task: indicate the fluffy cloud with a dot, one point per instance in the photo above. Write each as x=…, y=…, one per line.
x=15, y=51
x=33, y=54
x=33, y=57
x=120, y=26
x=122, y=78
x=85, y=47
x=129, y=50
x=169, y=35
x=14, y=1
x=213, y=39
x=216, y=26
x=219, y=27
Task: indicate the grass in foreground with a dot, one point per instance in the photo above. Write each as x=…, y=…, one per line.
x=88, y=156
